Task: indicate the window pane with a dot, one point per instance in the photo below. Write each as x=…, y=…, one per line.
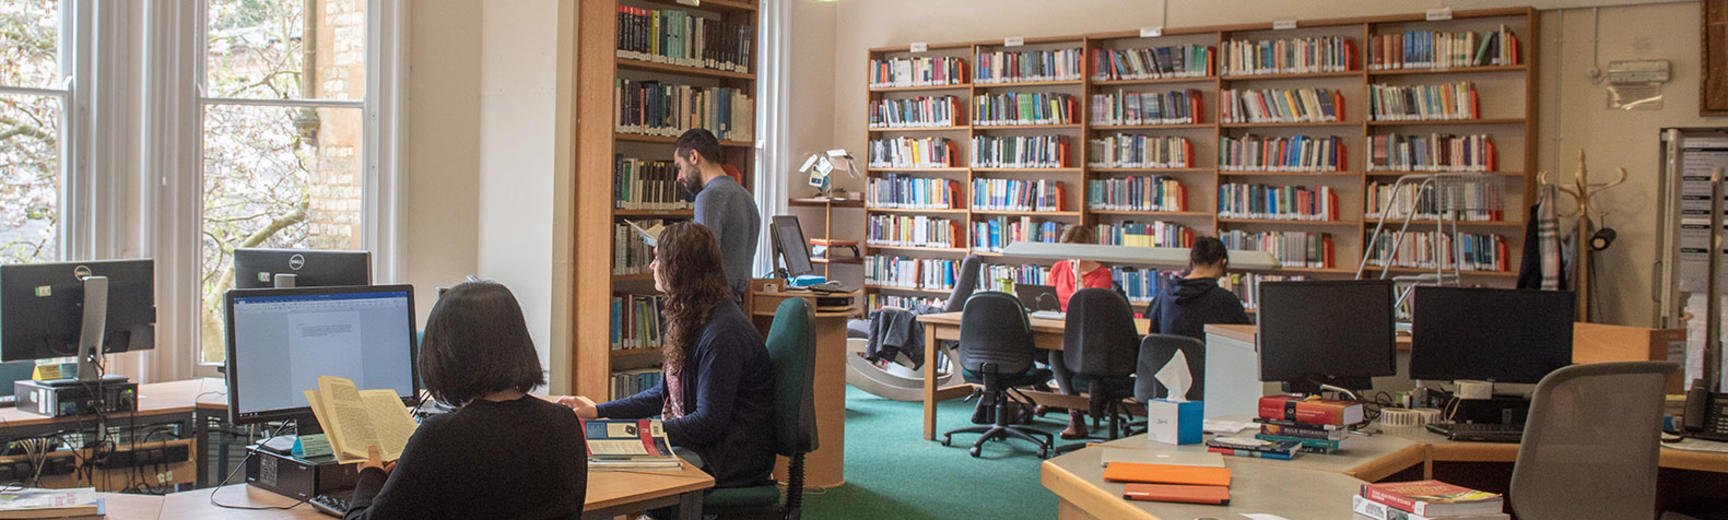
x=30, y=43
x=275, y=177
x=263, y=48
x=29, y=178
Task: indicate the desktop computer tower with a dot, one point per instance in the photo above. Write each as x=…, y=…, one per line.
x=61, y=401
x=296, y=478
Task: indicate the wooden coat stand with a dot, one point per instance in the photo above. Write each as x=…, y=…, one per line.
x=1582, y=192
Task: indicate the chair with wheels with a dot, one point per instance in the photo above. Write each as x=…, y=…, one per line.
x=1099, y=346
x=1591, y=443
x=897, y=379
x=1156, y=350
x=792, y=352
x=996, y=351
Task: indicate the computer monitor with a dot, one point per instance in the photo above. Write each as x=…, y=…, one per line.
x=1502, y=335
x=790, y=245
x=45, y=308
x=1336, y=333
x=281, y=340
x=264, y=268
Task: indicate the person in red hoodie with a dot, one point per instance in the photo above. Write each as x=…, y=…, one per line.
x=1068, y=276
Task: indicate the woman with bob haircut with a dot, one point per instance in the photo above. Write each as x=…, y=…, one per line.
x=502, y=454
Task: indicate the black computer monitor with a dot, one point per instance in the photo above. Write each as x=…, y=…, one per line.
x=1338, y=333
x=789, y=243
x=1502, y=335
x=262, y=268
x=42, y=308
x=281, y=340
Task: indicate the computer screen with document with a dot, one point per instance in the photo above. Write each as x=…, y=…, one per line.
x=281, y=340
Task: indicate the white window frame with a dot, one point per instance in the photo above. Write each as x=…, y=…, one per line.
x=73, y=62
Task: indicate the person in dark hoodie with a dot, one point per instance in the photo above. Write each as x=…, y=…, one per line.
x=1196, y=299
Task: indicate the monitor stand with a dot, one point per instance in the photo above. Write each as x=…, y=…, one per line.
x=91, y=334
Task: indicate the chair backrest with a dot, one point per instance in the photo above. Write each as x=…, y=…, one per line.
x=965, y=282
x=994, y=330
x=1099, y=339
x=1590, y=445
x=792, y=352
x=1156, y=350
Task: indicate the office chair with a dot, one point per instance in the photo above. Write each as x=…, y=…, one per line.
x=792, y=351
x=965, y=282
x=1099, y=346
x=1591, y=443
x=996, y=351
x=1156, y=350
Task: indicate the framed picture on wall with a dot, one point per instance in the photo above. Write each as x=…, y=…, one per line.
x=1713, y=84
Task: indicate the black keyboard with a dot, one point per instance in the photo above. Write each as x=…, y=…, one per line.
x=332, y=504
x=1476, y=432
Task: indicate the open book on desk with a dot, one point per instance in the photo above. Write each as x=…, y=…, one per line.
x=355, y=419
x=628, y=444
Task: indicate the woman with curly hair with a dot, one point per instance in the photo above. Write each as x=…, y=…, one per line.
x=717, y=393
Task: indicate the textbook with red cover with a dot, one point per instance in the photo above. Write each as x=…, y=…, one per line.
x=1434, y=498
x=1177, y=493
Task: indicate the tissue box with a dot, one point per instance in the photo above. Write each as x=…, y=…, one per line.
x=1174, y=422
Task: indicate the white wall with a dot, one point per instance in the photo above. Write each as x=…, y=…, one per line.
x=441, y=212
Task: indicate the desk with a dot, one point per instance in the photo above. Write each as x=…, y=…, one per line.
x=1290, y=491
x=185, y=404
x=1440, y=449
x=825, y=467
x=122, y=506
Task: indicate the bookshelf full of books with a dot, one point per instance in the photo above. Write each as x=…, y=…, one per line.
x=1287, y=140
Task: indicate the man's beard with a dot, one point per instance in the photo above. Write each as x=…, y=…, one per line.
x=691, y=185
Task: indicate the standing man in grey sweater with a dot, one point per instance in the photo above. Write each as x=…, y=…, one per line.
x=721, y=204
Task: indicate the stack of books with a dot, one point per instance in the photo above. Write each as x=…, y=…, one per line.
x=1425, y=500
x=59, y=504
x=1318, y=425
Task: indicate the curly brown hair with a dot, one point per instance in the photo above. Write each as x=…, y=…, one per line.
x=690, y=268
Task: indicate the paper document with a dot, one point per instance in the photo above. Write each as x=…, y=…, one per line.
x=354, y=419
x=649, y=229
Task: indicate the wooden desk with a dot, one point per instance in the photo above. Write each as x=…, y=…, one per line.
x=825, y=467
x=122, y=506
x=185, y=404
x=1440, y=449
x=1287, y=490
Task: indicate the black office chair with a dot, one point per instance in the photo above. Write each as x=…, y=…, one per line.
x=996, y=351
x=1099, y=345
x=1156, y=350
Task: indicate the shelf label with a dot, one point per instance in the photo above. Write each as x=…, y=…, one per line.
x=691, y=3
x=920, y=46
x=1152, y=32
x=1013, y=41
x=1440, y=15
x=1284, y=25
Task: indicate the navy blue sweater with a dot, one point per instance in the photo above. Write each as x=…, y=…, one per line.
x=728, y=401
x=1190, y=304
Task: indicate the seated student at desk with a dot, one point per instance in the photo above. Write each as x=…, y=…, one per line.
x=1068, y=276
x=503, y=454
x=718, y=391
x=1196, y=300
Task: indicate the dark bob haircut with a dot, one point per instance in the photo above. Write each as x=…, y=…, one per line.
x=1208, y=251
x=477, y=343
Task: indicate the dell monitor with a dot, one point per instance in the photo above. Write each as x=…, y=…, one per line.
x=1500, y=335
x=789, y=243
x=282, y=268
x=77, y=309
x=1336, y=333
x=281, y=340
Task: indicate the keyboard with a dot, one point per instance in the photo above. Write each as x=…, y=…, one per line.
x=1475, y=432
x=332, y=504
x=1051, y=315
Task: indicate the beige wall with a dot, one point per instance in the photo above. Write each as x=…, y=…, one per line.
x=1614, y=138
x=441, y=212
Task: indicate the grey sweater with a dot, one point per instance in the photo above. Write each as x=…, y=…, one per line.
x=730, y=212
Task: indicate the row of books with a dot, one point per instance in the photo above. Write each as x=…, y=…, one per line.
x=893, y=190
x=1020, y=151
x=913, y=152
x=668, y=109
x=1019, y=195
x=1024, y=108
x=910, y=273
x=636, y=321
x=1443, y=102
x=681, y=38
x=1290, y=248
x=1140, y=151
x=875, y=301
x=911, y=231
x=1263, y=201
x=1137, y=193
x=992, y=276
x=1178, y=61
x=916, y=112
x=1431, y=153
x=1006, y=66
x=1282, y=105
x=1284, y=154
x=1247, y=285
x=1156, y=233
x=626, y=383
x=641, y=184
x=1430, y=250
x=1426, y=500
x=1292, y=56
x=922, y=71
x=1141, y=285
x=1443, y=50
x=1127, y=107
x=630, y=254
x=993, y=234
x=1398, y=201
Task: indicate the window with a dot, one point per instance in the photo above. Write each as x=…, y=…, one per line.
x=34, y=94
x=283, y=104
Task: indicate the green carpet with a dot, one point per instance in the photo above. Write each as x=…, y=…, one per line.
x=893, y=473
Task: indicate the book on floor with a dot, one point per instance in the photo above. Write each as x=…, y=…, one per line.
x=1433, y=498
x=628, y=444
x=355, y=419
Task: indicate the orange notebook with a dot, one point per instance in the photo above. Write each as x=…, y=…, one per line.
x=1166, y=474
x=1175, y=493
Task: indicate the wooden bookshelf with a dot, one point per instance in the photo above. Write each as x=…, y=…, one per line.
x=1508, y=114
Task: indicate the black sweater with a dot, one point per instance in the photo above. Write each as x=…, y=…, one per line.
x=728, y=401
x=1190, y=304
x=521, y=459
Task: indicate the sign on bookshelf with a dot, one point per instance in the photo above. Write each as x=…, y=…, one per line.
x=1284, y=25
x=1152, y=32
x=1013, y=41
x=920, y=46
x=1439, y=15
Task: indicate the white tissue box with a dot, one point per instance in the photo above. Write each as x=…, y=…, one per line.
x=1174, y=422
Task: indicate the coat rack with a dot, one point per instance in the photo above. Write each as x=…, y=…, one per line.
x=1582, y=192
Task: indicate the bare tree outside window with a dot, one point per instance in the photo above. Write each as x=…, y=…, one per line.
x=30, y=130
